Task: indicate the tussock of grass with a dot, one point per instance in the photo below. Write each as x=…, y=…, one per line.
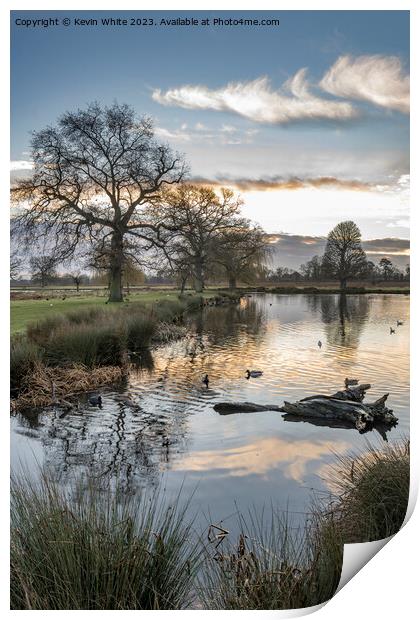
x=24, y=355
x=372, y=492
x=93, y=551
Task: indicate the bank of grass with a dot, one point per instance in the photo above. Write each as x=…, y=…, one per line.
x=105, y=551
x=81, y=549
x=25, y=311
x=93, y=337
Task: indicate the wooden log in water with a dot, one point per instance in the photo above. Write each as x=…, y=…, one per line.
x=345, y=405
x=329, y=408
x=246, y=407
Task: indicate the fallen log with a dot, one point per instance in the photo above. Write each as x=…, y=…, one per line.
x=344, y=405
x=228, y=408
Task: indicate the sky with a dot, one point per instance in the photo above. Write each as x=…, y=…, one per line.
x=308, y=119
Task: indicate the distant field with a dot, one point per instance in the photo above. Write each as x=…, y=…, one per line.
x=25, y=311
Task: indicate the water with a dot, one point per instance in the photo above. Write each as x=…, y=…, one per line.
x=241, y=461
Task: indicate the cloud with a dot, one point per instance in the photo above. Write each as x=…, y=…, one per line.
x=200, y=133
x=257, y=101
x=21, y=165
x=377, y=79
x=280, y=183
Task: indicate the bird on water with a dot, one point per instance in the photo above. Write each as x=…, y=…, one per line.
x=96, y=400
x=253, y=373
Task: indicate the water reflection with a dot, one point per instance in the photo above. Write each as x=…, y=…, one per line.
x=247, y=459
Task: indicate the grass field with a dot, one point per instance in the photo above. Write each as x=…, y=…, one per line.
x=26, y=311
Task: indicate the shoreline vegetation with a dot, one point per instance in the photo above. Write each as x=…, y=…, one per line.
x=86, y=548
x=78, y=351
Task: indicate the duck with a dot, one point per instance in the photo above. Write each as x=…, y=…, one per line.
x=206, y=380
x=96, y=400
x=348, y=382
x=319, y=343
x=253, y=373
x=399, y=323
x=391, y=330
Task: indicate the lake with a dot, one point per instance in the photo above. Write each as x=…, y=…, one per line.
x=244, y=461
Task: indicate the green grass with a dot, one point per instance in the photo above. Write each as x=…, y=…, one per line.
x=83, y=549
x=23, y=312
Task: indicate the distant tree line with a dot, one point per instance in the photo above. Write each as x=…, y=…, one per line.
x=343, y=259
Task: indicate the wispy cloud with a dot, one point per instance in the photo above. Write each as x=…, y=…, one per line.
x=280, y=183
x=257, y=101
x=226, y=134
x=378, y=79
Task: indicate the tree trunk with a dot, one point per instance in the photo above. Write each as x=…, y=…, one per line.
x=198, y=276
x=232, y=282
x=116, y=268
x=183, y=284
x=343, y=283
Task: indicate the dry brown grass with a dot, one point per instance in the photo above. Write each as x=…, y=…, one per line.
x=37, y=387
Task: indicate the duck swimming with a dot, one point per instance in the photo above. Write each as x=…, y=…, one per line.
x=253, y=373
x=391, y=330
x=319, y=343
x=206, y=380
x=399, y=323
x=96, y=400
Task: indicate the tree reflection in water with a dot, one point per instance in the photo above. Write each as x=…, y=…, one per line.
x=344, y=317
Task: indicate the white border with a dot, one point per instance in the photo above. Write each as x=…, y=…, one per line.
x=387, y=586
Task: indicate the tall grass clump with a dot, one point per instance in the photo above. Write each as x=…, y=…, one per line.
x=87, y=550
x=168, y=309
x=24, y=355
x=372, y=492
x=140, y=331
x=95, y=344
x=270, y=566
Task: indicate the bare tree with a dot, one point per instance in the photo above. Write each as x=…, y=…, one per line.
x=16, y=263
x=312, y=269
x=96, y=174
x=344, y=256
x=77, y=277
x=241, y=251
x=386, y=268
x=43, y=269
x=194, y=217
